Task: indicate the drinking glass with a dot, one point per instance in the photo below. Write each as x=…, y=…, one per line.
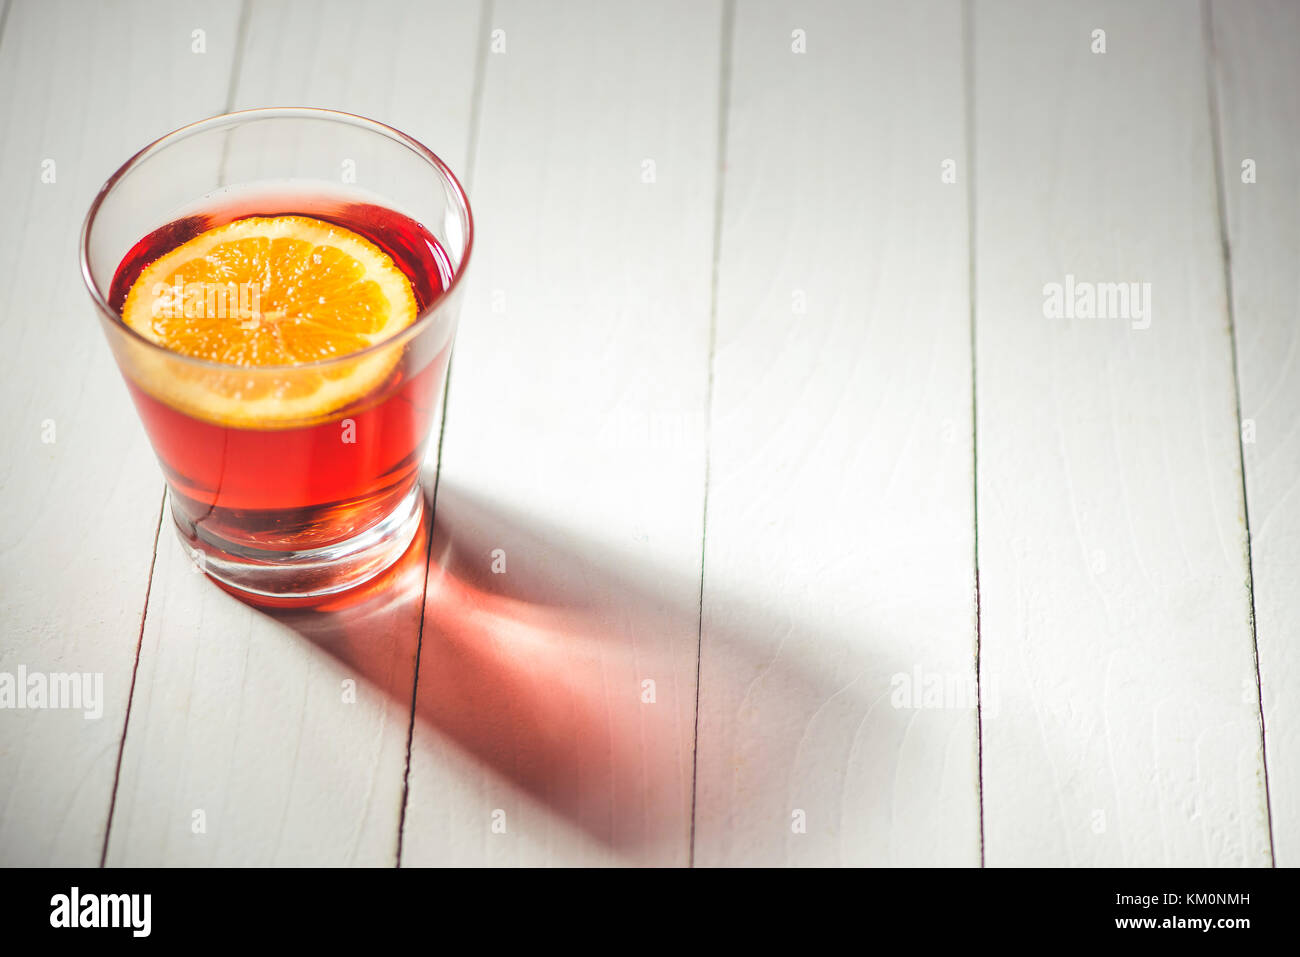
x=273, y=494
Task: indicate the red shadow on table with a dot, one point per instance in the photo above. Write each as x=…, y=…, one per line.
x=536, y=671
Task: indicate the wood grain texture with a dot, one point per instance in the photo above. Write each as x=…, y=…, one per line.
x=240, y=713
x=1257, y=75
x=1112, y=548
x=83, y=86
x=573, y=457
x=838, y=644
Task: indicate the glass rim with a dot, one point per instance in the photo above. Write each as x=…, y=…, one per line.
x=422, y=320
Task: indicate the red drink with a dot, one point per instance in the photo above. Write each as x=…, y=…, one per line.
x=299, y=486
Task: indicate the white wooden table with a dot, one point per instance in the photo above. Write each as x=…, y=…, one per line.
x=758, y=393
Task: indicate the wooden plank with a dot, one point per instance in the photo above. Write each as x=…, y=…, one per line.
x=240, y=714
x=81, y=86
x=244, y=747
x=574, y=444
x=1115, y=613
x=1258, y=73
x=839, y=579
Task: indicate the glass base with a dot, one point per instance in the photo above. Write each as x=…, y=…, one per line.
x=310, y=573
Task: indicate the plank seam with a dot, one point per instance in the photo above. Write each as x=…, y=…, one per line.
x=724, y=102
x=1216, y=147
x=237, y=63
x=471, y=157
x=968, y=70
x=135, y=668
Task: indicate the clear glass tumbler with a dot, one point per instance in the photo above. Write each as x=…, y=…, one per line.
x=295, y=479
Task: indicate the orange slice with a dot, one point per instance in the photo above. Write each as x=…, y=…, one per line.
x=269, y=291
